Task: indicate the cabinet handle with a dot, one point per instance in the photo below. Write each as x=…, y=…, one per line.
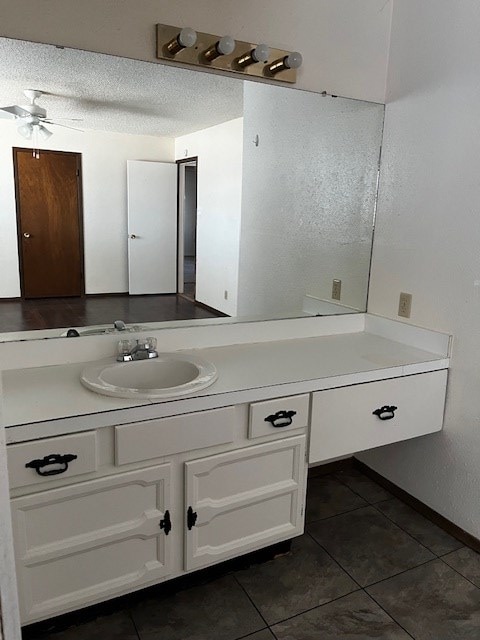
x=385, y=413
x=281, y=418
x=191, y=518
x=54, y=458
x=166, y=523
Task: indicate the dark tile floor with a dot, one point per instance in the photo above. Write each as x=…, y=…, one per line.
x=368, y=567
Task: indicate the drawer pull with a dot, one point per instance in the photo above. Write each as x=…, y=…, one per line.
x=53, y=459
x=191, y=518
x=281, y=418
x=166, y=523
x=385, y=413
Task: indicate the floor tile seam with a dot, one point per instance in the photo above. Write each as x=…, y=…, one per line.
x=389, y=614
x=335, y=561
x=459, y=573
x=400, y=573
x=251, y=601
x=318, y=606
x=405, y=531
x=335, y=515
x=130, y=615
x=359, y=494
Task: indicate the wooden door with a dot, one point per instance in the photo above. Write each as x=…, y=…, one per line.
x=152, y=227
x=49, y=223
x=244, y=500
x=84, y=543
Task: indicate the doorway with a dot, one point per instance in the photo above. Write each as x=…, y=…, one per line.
x=187, y=226
x=49, y=223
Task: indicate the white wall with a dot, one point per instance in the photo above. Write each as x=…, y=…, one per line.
x=308, y=198
x=104, y=173
x=219, y=196
x=427, y=236
x=344, y=42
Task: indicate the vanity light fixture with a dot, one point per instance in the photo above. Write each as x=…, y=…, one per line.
x=261, y=53
x=292, y=61
x=223, y=47
x=186, y=38
x=225, y=54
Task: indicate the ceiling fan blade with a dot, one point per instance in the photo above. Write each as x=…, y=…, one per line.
x=16, y=111
x=71, y=119
x=65, y=126
x=7, y=115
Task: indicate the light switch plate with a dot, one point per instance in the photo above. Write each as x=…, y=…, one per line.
x=336, y=289
x=405, y=305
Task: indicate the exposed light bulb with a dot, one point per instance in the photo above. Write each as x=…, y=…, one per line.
x=261, y=53
x=224, y=47
x=292, y=61
x=185, y=39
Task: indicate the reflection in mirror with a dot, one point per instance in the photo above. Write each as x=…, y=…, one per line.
x=276, y=195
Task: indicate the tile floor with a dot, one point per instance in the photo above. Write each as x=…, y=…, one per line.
x=368, y=567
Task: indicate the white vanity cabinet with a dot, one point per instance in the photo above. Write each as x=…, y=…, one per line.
x=204, y=493
x=359, y=417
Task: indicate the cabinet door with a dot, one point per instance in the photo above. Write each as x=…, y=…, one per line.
x=244, y=500
x=90, y=541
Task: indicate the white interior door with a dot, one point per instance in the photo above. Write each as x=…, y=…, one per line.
x=152, y=227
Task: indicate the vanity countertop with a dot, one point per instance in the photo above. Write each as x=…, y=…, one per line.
x=52, y=398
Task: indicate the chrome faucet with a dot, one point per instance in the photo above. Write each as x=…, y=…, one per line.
x=142, y=349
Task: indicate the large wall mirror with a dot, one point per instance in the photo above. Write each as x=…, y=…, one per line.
x=146, y=193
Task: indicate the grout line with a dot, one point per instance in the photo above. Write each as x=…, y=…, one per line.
x=405, y=531
x=252, y=602
x=363, y=506
x=359, y=494
x=389, y=615
x=129, y=613
x=335, y=561
x=457, y=571
x=395, y=575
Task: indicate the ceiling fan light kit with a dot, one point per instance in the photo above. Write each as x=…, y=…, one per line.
x=226, y=54
x=32, y=117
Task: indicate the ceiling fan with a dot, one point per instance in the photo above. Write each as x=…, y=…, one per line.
x=33, y=117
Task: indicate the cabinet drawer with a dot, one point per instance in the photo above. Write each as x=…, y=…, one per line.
x=52, y=464
x=343, y=420
x=277, y=416
x=166, y=436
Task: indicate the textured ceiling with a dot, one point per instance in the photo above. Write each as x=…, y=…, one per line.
x=117, y=94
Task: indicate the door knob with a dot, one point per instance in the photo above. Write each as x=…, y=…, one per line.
x=26, y=235
x=132, y=236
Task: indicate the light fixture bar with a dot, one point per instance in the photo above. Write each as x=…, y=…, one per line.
x=215, y=52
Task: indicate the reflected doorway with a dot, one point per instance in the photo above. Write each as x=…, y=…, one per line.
x=187, y=227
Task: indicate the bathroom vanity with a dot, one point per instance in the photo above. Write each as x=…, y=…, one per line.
x=110, y=495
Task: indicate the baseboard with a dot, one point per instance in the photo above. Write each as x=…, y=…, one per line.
x=457, y=532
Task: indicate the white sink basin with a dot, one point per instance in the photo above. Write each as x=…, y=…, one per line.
x=168, y=376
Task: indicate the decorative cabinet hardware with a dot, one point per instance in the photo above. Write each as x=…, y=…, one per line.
x=191, y=518
x=281, y=418
x=53, y=459
x=166, y=523
x=386, y=412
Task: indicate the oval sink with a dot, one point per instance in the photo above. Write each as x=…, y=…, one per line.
x=168, y=376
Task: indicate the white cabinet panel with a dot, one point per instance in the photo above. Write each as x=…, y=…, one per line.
x=244, y=500
x=344, y=422
x=80, y=544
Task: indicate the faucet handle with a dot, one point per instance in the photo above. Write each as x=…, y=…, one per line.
x=124, y=347
x=151, y=344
